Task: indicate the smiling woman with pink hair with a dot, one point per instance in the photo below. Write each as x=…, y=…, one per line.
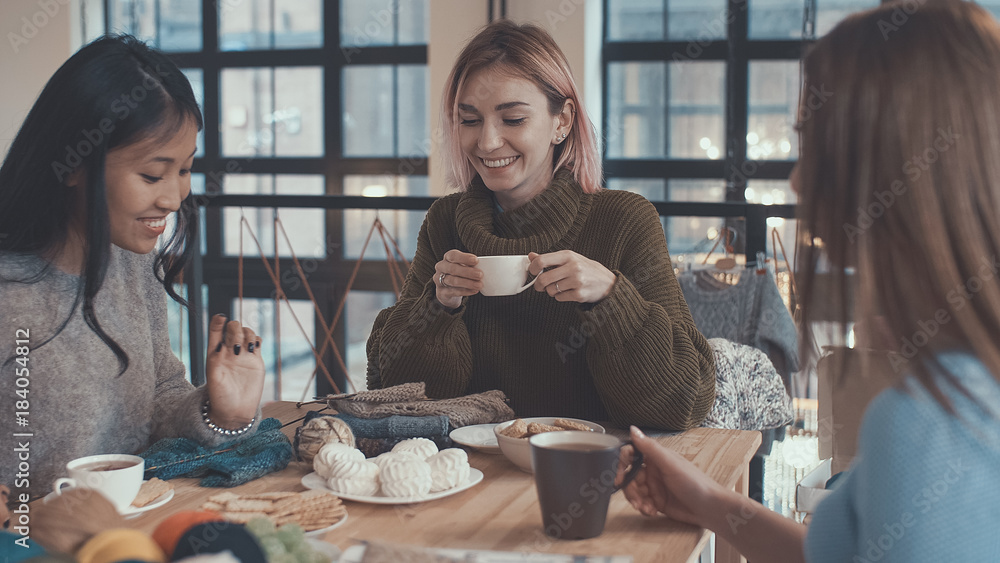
x=606, y=334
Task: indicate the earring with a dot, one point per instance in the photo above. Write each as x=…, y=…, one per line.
x=561, y=138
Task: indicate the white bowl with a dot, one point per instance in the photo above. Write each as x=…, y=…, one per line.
x=518, y=450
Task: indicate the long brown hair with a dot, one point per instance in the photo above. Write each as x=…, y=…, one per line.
x=900, y=179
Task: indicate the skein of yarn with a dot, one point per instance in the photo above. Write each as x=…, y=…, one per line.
x=64, y=523
x=316, y=433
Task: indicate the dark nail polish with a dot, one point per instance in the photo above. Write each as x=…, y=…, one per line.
x=219, y=347
x=236, y=349
x=258, y=343
x=250, y=347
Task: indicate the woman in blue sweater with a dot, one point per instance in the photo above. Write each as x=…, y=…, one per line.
x=900, y=180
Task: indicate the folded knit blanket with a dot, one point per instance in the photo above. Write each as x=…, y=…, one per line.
x=230, y=464
x=409, y=399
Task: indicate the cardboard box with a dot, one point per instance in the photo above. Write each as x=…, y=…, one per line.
x=848, y=379
x=811, y=490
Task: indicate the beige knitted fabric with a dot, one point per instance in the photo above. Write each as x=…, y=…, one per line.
x=635, y=357
x=409, y=399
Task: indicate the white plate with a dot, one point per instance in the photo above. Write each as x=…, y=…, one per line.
x=133, y=511
x=160, y=501
x=478, y=437
x=314, y=481
x=321, y=531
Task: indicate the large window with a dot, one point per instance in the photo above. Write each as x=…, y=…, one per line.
x=301, y=98
x=700, y=99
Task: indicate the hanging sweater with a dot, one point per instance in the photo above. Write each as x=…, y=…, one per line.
x=633, y=358
x=77, y=404
x=750, y=312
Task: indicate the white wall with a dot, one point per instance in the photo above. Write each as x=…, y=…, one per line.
x=36, y=37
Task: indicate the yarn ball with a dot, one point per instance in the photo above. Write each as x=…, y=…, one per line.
x=319, y=431
x=64, y=522
x=216, y=537
x=170, y=530
x=120, y=544
x=11, y=552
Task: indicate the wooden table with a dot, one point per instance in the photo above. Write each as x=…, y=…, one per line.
x=502, y=513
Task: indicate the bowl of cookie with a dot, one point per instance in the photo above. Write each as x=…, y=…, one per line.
x=513, y=435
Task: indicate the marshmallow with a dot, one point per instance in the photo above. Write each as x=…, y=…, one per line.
x=422, y=447
x=449, y=468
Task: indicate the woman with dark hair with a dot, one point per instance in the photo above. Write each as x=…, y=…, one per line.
x=101, y=163
x=910, y=123
x=606, y=335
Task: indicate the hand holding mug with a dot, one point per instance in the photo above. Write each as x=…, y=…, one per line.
x=667, y=483
x=456, y=276
x=568, y=276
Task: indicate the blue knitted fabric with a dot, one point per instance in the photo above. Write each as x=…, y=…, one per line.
x=231, y=464
x=397, y=426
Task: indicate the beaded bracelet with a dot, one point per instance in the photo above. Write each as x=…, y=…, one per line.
x=219, y=429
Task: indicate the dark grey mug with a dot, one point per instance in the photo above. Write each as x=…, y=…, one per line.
x=575, y=478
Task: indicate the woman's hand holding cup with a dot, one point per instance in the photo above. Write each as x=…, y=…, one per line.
x=569, y=276
x=456, y=276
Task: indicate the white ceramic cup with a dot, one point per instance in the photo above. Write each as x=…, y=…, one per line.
x=116, y=476
x=504, y=275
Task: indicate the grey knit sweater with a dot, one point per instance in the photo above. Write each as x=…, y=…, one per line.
x=633, y=358
x=77, y=403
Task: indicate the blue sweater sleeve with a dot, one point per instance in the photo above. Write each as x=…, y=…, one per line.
x=926, y=485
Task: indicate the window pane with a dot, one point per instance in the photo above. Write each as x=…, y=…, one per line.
x=831, y=12
x=774, y=97
x=414, y=136
x=298, y=112
x=360, y=311
x=404, y=226
x=246, y=103
x=697, y=119
x=637, y=109
x=180, y=25
x=783, y=19
x=297, y=360
x=245, y=25
x=196, y=77
x=653, y=189
x=414, y=25
x=378, y=22
x=305, y=228
x=656, y=189
x=637, y=104
x=298, y=24
x=368, y=111
x=644, y=20
x=135, y=17
x=697, y=190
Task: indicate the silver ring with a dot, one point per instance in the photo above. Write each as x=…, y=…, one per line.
x=441, y=280
x=557, y=288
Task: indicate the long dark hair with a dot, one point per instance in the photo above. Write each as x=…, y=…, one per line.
x=114, y=92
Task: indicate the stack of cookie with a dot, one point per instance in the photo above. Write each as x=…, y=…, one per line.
x=313, y=510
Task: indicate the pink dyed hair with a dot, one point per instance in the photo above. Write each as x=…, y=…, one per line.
x=529, y=52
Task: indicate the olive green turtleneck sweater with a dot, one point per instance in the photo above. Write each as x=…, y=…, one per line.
x=633, y=358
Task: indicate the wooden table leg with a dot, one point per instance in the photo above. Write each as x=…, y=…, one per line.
x=724, y=552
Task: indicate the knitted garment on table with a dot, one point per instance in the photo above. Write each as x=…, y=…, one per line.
x=749, y=393
x=232, y=463
x=409, y=399
x=391, y=427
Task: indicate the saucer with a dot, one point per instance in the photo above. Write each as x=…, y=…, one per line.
x=132, y=511
x=478, y=437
